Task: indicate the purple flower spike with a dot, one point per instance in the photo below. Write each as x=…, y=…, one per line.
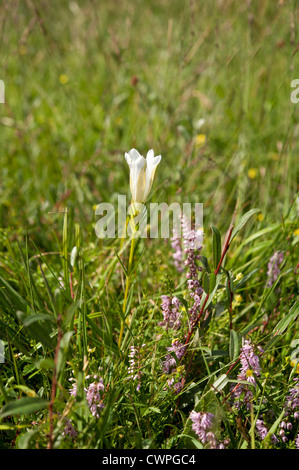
x=274, y=267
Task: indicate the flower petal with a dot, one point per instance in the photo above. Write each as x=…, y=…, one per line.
x=142, y=173
x=152, y=163
x=134, y=154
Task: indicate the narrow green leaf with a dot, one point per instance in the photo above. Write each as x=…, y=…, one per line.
x=73, y=257
x=45, y=363
x=245, y=279
x=220, y=307
x=151, y=409
x=234, y=345
x=68, y=318
x=211, y=295
x=183, y=301
x=65, y=252
x=29, y=392
x=212, y=282
x=216, y=246
x=220, y=383
x=290, y=317
x=121, y=263
x=244, y=219
x=272, y=342
x=23, y=406
x=228, y=293
x=24, y=440
x=50, y=293
x=13, y=426
x=3, y=390
x=14, y=296
x=38, y=317
x=195, y=442
x=206, y=282
x=205, y=263
x=63, y=350
x=39, y=332
x=274, y=427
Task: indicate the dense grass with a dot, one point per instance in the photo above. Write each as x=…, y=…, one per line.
x=85, y=82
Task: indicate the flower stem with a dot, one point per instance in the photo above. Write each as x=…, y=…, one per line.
x=127, y=289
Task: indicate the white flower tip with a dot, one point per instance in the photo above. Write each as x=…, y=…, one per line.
x=158, y=158
x=142, y=173
x=151, y=157
x=134, y=154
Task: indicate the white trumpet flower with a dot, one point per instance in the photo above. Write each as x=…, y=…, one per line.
x=142, y=172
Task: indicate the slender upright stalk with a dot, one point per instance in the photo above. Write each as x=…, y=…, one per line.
x=127, y=288
x=252, y=437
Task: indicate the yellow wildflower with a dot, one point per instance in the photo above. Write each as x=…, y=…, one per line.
x=200, y=140
x=63, y=78
x=252, y=173
x=237, y=301
x=295, y=363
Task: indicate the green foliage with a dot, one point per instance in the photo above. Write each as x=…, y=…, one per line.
x=208, y=87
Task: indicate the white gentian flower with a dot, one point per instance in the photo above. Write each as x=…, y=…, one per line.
x=142, y=172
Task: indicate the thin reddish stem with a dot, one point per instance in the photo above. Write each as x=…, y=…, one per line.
x=224, y=251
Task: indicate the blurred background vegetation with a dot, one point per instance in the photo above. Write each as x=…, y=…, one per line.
x=88, y=80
